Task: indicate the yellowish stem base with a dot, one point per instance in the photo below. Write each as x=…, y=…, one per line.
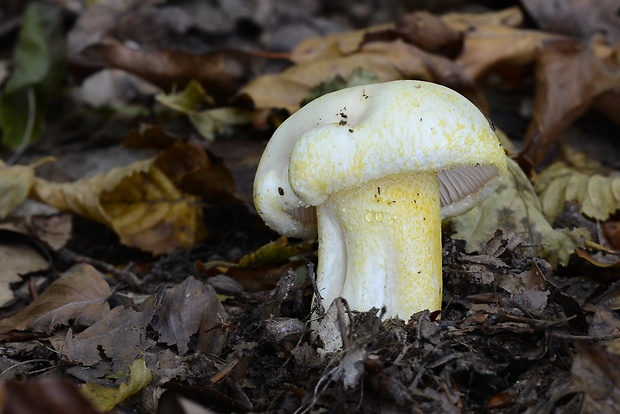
x=380, y=245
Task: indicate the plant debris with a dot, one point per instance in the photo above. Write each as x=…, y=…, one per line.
x=136, y=276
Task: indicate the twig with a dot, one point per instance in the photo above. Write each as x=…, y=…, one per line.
x=124, y=276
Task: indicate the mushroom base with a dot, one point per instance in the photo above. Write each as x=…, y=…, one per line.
x=380, y=245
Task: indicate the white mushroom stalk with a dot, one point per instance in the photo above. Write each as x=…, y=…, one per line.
x=382, y=164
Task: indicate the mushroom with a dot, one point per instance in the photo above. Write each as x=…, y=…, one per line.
x=372, y=170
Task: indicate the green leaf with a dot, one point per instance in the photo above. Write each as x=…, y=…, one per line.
x=514, y=207
x=38, y=70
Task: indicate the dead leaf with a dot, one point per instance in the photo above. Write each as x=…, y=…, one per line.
x=605, y=323
x=103, y=37
x=15, y=184
x=54, y=230
x=210, y=123
x=274, y=252
x=430, y=33
x=119, y=336
x=79, y=294
x=19, y=257
x=139, y=202
x=577, y=18
x=500, y=49
x=150, y=136
x=582, y=179
x=463, y=21
x=513, y=207
x=49, y=396
x=600, y=259
x=569, y=75
x=527, y=289
x=106, y=398
x=183, y=308
x=386, y=60
x=197, y=172
x=611, y=230
x=595, y=374
x=212, y=333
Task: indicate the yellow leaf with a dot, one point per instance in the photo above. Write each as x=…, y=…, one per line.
x=514, y=206
x=106, y=398
x=581, y=179
x=15, y=184
x=274, y=252
x=138, y=201
x=208, y=122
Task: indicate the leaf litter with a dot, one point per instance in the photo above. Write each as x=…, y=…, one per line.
x=190, y=301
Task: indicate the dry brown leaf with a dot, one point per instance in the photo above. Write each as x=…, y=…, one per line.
x=582, y=179
x=385, y=60
x=80, y=294
x=577, y=18
x=119, y=335
x=105, y=37
x=595, y=374
x=334, y=45
x=500, y=48
x=611, y=230
x=569, y=75
x=430, y=33
x=182, y=309
x=18, y=258
x=197, y=172
x=139, y=202
x=49, y=396
x=54, y=230
x=463, y=22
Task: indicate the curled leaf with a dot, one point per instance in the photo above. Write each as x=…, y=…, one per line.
x=582, y=179
x=139, y=202
x=106, y=398
x=513, y=207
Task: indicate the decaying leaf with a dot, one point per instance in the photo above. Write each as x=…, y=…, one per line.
x=208, y=122
x=582, y=179
x=182, y=311
x=577, y=18
x=79, y=294
x=513, y=207
x=569, y=75
x=49, y=395
x=274, y=252
x=500, y=49
x=15, y=184
x=54, y=230
x=386, y=60
x=106, y=398
x=112, y=343
x=18, y=258
x=595, y=374
x=139, y=202
x=106, y=36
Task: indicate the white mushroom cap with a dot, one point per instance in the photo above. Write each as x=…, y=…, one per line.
x=348, y=138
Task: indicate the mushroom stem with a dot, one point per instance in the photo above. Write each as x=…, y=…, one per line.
x=380, y=245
